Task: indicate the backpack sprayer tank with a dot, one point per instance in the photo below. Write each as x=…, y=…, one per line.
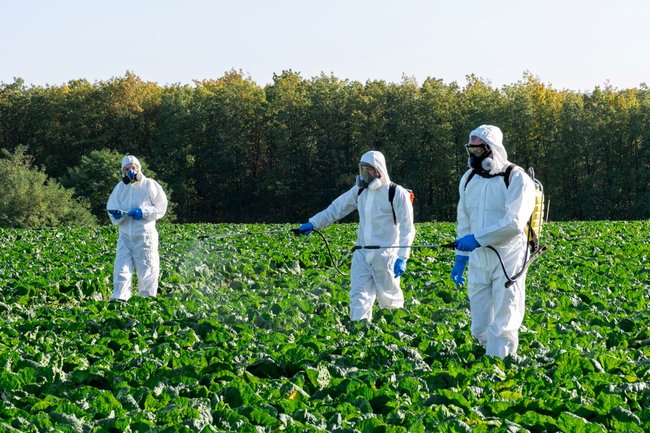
x=534, y=228
x=532, y=231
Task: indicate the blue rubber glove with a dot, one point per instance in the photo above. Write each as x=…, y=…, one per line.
x=117, y=214
x=306, y=228
x=136, y=213
x=400, y=267
x=467, y=243
x=458, y=270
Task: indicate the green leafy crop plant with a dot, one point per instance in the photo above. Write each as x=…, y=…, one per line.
x=251, y=333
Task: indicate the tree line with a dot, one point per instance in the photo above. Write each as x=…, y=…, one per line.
x=230, y=150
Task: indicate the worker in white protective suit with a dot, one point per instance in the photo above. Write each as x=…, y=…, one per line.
x=375, y=273
x=135, y=205
x=493, y=213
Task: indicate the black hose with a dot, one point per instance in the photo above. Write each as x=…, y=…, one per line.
x=329, y=251
x=530, y=258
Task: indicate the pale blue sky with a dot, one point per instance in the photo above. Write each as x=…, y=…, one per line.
x=569, y=44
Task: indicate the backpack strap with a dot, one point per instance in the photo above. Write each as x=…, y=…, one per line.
x=505, y=174
x=391, y=196
x=471, y=175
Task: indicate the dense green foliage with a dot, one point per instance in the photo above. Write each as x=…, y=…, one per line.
x=233, y=151
x=28, y=198
x=251, y=334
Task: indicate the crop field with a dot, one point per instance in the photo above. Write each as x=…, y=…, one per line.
x=251, y=334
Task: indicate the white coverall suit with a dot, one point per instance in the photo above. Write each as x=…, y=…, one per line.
x=371, y=272
x=497, y=217
x=137, y=243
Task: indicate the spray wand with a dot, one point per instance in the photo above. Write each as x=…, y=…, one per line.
x=297, y=232
x=450, y=245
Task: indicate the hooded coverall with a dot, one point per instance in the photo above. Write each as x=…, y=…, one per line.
x=497, y=216
x=137, y=243
x=371, y=272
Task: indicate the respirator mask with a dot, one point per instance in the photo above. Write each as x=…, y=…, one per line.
x=367, y=176
x=479, y=157
x=131, y=176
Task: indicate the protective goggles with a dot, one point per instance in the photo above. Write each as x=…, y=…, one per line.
x=476, y=150
x=367, y=172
